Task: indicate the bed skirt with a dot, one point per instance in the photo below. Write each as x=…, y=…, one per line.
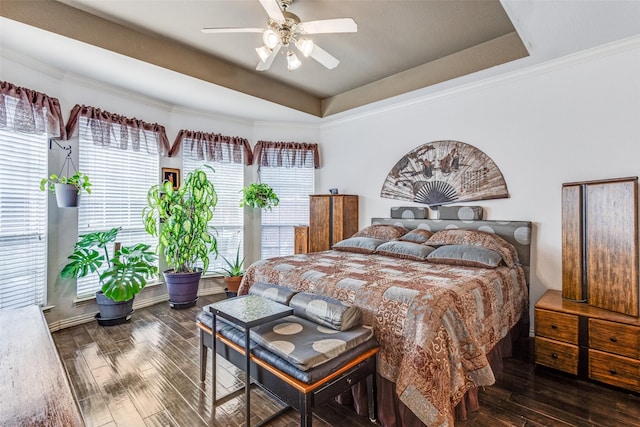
x=393, y=413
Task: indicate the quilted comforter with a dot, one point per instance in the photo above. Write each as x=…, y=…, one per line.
x=435, y=323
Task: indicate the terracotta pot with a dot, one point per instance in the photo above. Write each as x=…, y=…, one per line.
x=233, y=283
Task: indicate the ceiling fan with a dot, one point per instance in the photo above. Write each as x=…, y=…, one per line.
x=284, y=30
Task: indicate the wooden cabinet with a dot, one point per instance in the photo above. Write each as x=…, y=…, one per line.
x=332, y=217
x=588, y=341
x=301, y=239
x=600, y=244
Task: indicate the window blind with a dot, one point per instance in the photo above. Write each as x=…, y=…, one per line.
x=120, y=179
x=23, y=217
x=228, y=217
x=293, y=186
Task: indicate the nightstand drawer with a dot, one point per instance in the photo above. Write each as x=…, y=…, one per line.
x=615, y=370
x=557, y=355
x=559, y=326
x=615, y=338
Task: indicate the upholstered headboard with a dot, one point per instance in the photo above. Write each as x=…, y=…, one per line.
x=518, y=233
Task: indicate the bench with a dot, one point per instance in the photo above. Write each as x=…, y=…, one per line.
x=303, y=378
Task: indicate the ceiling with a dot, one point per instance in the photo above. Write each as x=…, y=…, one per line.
x=402, y=48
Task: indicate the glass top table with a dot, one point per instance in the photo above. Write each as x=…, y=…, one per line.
x=245, y=311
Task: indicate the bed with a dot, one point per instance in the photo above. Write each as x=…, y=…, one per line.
x=444, y=298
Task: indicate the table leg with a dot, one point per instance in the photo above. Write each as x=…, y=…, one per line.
x=247, y=378
x=214, y=365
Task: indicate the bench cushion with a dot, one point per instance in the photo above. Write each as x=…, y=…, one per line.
x=326, y=311
x=325, y=365
x=276, y=293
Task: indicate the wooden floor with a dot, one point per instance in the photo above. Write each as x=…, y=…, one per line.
x=146, y=373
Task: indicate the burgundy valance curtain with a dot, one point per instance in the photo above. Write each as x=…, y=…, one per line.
x=286, y=154
x=30, y=111
x=103, y=124
x=212, y=147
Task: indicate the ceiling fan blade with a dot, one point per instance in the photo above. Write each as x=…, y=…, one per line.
x=264, y=66
x=324, y=57
x=338, y=25
x=232, y=30
x=273, y=9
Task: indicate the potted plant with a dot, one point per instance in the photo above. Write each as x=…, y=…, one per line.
x=258, y=195
x=66, y=188
x=181, y=220
x=233, y=273
x=122, y=276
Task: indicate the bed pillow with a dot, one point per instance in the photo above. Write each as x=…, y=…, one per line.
x=464, y=255
x=476, y=238
x=276, y=293
x=404, y=250
x=419, y=235
x=361, y=245
x=384, y=232
x=326, y=311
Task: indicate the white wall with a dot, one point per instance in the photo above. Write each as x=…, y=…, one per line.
x=570, y=120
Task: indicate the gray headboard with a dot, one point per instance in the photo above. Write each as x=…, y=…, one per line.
x=518, y=233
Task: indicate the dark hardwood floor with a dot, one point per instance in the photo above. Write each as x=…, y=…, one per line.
x=146, y=373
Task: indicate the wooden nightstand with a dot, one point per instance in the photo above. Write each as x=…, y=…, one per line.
x=588, y=341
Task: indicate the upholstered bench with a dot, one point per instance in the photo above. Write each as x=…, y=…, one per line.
x=303, y=359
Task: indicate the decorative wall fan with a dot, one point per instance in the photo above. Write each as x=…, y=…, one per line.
x=284, y=30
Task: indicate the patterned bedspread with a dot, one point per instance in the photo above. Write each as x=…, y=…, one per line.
x=434, y=322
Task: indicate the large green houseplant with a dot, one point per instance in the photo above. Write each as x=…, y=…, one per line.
x=181, y=220
x=122, y=276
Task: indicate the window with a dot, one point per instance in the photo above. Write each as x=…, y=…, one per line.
x=293, y=186
x=228, y=216
x=23, y=213
x=120, y=177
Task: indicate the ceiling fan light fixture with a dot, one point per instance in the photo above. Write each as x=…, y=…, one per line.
x=305, y=46
x=270, y=38
x=293, y=63
x=263, y=52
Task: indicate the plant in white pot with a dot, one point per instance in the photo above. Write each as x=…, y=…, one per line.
x=122, y=276
x=181, y=220
x=66, y=188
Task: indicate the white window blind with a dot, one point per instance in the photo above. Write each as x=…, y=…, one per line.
x=292, y=186
x=120, y=180
x=23, y=217
x=228, y=218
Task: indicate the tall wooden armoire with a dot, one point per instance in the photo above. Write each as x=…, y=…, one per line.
x=600, y=244
x=332, y=217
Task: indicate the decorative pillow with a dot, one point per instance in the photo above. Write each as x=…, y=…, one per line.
x=362, y=245
x=276, y=293
x=419, y=235
x=384, y=232
x=405, y=250
x=476, y=238
x=464, y=255
x=326, y=311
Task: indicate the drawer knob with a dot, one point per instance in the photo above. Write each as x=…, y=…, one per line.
x=613, y=371
x=554, y=355
x=613, y=339
x=554, y=326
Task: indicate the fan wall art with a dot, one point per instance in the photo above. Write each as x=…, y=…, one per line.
x=444, y=172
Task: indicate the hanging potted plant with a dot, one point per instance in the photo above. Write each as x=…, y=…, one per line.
x=181, y=220
x=122, y=275
x=67, y=188
x=258, y=195
x=233, y=273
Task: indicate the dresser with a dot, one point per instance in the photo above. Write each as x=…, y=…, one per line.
x=332, y=217
x=588, y=341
